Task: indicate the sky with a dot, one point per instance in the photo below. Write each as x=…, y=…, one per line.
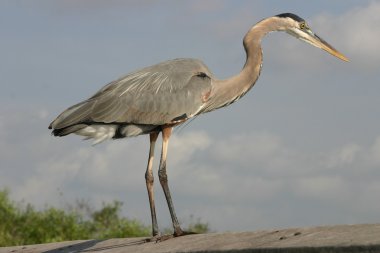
x=302, y=148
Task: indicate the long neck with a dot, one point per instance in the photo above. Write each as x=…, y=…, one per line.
x=229, y=90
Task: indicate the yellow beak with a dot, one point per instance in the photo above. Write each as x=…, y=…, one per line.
x=319, y=42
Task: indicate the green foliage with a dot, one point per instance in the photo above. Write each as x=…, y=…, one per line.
x=197, y=226
x=23, y=224
x=7, y=217
x=106, y=223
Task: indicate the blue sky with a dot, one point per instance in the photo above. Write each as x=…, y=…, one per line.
x=301, y=148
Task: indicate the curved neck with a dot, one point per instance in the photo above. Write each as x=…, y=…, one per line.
x=229, y=90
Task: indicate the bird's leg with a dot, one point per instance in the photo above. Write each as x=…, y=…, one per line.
x=166, y=132
x=149, y=183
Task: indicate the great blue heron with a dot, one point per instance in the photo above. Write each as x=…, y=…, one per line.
x=160, y=97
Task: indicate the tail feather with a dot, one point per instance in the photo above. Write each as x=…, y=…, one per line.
x=98, y=132
x=67, y=130
x=101, y=132
x=73, y=115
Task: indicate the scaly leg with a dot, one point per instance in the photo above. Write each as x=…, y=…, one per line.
x=166, y=132
x=149, y=184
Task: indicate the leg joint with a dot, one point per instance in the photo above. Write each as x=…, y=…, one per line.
x=149, y=177
x=162, y=175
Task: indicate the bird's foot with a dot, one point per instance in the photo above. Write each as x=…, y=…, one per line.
x=155, y=238
x=183, y=233
x=161, y=238
x=177, y=233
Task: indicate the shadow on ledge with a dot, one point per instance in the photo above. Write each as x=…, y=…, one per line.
x=85, y=246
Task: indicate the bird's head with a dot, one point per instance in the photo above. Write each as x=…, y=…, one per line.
x=297, y=27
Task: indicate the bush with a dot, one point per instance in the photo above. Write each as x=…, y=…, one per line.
x=20, y=225
x=198, y=226
x=23, y=224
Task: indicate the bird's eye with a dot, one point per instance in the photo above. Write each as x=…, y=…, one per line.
x=303, y=26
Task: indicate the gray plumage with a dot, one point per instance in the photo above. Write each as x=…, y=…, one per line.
x=168, y=92
x=155, y=99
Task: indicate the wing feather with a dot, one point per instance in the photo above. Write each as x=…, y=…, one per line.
x=154, y=95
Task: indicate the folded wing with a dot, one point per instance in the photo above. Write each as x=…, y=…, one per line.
x=160, y=94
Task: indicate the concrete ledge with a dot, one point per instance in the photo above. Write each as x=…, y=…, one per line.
x=342, y=238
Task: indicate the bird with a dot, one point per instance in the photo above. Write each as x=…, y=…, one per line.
x=158, y=98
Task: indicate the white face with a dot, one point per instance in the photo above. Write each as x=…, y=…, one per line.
x=301, y=31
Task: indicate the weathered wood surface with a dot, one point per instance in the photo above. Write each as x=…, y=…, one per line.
x=342, y=238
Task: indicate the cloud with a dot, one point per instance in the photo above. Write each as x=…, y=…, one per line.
x=321, y=187
x=344, y=156
x=184, y=145
x=241, y=174
x=374, y=153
